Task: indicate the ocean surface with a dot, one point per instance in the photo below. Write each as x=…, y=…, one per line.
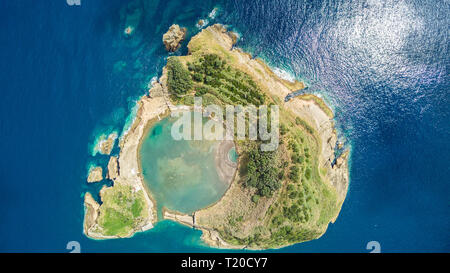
x=69, y=75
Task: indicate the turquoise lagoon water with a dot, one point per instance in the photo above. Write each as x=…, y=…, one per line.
x=181, y=174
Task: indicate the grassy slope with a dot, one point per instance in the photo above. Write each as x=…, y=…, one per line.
x=122, y=210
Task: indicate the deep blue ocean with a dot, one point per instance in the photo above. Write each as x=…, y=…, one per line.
x=69, y=74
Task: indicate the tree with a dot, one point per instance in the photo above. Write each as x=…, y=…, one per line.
x=197, y=77
x=308, y=173
x=255, y=198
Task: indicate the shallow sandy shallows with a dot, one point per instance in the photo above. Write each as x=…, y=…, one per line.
x=225, y=167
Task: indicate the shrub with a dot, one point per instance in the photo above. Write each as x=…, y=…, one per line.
x=308, y=173
x=290, y=187
x=197, y=77
x=255, y=198
x=292, y=195
x=294, y=175
x=283, y=129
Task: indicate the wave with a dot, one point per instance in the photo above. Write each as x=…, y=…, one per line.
x=102, y=138
x=213, y=13
x=283, y=74
x=130, y=119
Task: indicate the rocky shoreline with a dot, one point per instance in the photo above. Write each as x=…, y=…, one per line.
x=128, y=161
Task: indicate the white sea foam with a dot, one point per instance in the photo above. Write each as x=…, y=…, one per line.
x=205, y=23
x=152, y=81
x=283, y=74
x=130, y=120
x=213, y=13
x=238, y=35
x=101, y=139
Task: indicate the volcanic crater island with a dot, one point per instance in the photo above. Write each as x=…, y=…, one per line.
x=239, y=196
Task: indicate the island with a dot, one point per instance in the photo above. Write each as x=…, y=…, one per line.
x=95, y=175
x=173, y=37
x=274, y=198
x=105, y=144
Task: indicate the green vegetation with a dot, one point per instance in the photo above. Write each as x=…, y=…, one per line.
x=255, y=198
x=294, y=174
x=262, y=172
x=179, y=80
x=122, y=210
x=212, y=75
x=302, y=206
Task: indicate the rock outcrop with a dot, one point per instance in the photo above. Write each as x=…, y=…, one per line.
x=92, y=208
x=173, y=37
x=201, y=23
x=105, y=145
x=95, y=175
x=113, y=168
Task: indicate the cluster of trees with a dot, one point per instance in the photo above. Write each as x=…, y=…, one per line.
x=297, y=159
x=208, y=65
x=228, y=83
x=305, y=125
x=262, y=172
x=179, y=79
x=297, y=213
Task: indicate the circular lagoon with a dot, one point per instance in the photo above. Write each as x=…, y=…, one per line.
x=184, y=175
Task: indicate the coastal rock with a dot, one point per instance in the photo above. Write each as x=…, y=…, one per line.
x=92, y=208
x=157, y=90
x=105, y=146
x=113, y=168
x=95, y=175
x=339, y=162
x=201, y=23
x=128, y=31
x=234, y=37
x=173, y=37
